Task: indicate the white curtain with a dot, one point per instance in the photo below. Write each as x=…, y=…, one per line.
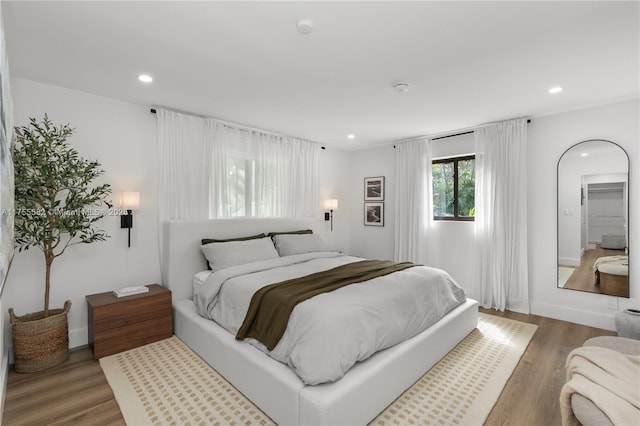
x=501, y=216
x=284, y=172
x=185, y=163
x=413, y=203
x=213, y=169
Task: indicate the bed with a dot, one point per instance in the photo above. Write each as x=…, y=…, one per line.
x=363, y=392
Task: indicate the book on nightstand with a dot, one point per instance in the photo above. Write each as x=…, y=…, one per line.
x=129, y=291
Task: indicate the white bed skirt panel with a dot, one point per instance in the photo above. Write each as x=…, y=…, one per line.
x=269, y=384
x=356, y=399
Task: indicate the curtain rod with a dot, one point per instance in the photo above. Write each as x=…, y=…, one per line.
x=433, y=137
x=458, y=132
x=243, y=127
x=464, y=131
x=452, y=135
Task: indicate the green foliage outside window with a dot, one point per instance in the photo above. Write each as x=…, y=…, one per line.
x=442, y=178
x=454, y=188
x=466, y=187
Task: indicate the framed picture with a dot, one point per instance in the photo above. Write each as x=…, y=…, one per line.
x=374, y=214
x=374, y=188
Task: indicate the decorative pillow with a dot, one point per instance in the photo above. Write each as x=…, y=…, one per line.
x=232, y=253
x=212, y=240
x=302, y=231
x=298, y=243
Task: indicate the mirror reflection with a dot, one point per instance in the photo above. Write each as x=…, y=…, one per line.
x=593, y=218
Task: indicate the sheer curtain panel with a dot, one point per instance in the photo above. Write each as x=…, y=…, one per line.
x=413, y=209
x=185, y=166
x=262, y=174
x=213, y=169
x=501, y=216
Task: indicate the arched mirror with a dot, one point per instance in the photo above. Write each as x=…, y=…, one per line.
x=593, y=218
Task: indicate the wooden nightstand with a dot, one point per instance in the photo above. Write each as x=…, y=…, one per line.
x=120, y=323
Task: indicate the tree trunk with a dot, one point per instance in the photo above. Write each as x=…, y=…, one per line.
x=48, y=257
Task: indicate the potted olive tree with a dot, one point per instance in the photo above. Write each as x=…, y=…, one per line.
x=57, y=206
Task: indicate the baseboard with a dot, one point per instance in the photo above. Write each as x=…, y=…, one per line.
x=568, y=261
x=78, y=337
x=578, y=316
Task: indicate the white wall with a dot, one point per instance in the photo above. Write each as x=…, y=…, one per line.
x=570, y=212
x=334, y=175
x=122, y=137
x=454, y=240
x=548, y=138
x=373, y=242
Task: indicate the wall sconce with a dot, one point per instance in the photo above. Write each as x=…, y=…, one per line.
x=331, y=205
x=129, y=201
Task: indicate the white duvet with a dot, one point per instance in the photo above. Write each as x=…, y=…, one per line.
x=329, y=333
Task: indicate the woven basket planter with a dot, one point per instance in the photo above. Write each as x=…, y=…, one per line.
x=40, y=343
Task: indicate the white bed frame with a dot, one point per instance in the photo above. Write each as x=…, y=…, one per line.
x=355, y=399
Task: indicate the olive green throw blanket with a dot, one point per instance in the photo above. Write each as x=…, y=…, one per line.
x=271, y=306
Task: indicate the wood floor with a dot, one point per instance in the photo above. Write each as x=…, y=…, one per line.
x=583, y=278
x=76, y=393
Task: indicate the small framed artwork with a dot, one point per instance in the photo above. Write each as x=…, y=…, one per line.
x=374, y=214
x=374, y=188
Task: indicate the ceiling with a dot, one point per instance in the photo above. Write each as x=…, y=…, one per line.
x=467, y=63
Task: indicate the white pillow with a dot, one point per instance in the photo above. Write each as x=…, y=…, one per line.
x=288, y=244
x=225, y=255
x=199, y=279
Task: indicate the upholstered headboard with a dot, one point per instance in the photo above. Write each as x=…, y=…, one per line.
x=181, y=255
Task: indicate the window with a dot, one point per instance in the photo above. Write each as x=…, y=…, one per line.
x=454, y=188
x=251, y=185
x=240, y=186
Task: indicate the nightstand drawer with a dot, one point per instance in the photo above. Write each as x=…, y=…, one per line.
x=127, y=312
x=116, y=340
x=118, y=324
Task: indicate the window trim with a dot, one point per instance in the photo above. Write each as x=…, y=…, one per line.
x=455, y=161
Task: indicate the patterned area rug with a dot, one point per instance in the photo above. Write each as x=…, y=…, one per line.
x=165, y=383
x=464, y=386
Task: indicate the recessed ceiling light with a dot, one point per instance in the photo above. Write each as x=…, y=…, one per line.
x=145, y=78
x=584, y=154
x=305, y=26
x=351, y=136
x=555, y=90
